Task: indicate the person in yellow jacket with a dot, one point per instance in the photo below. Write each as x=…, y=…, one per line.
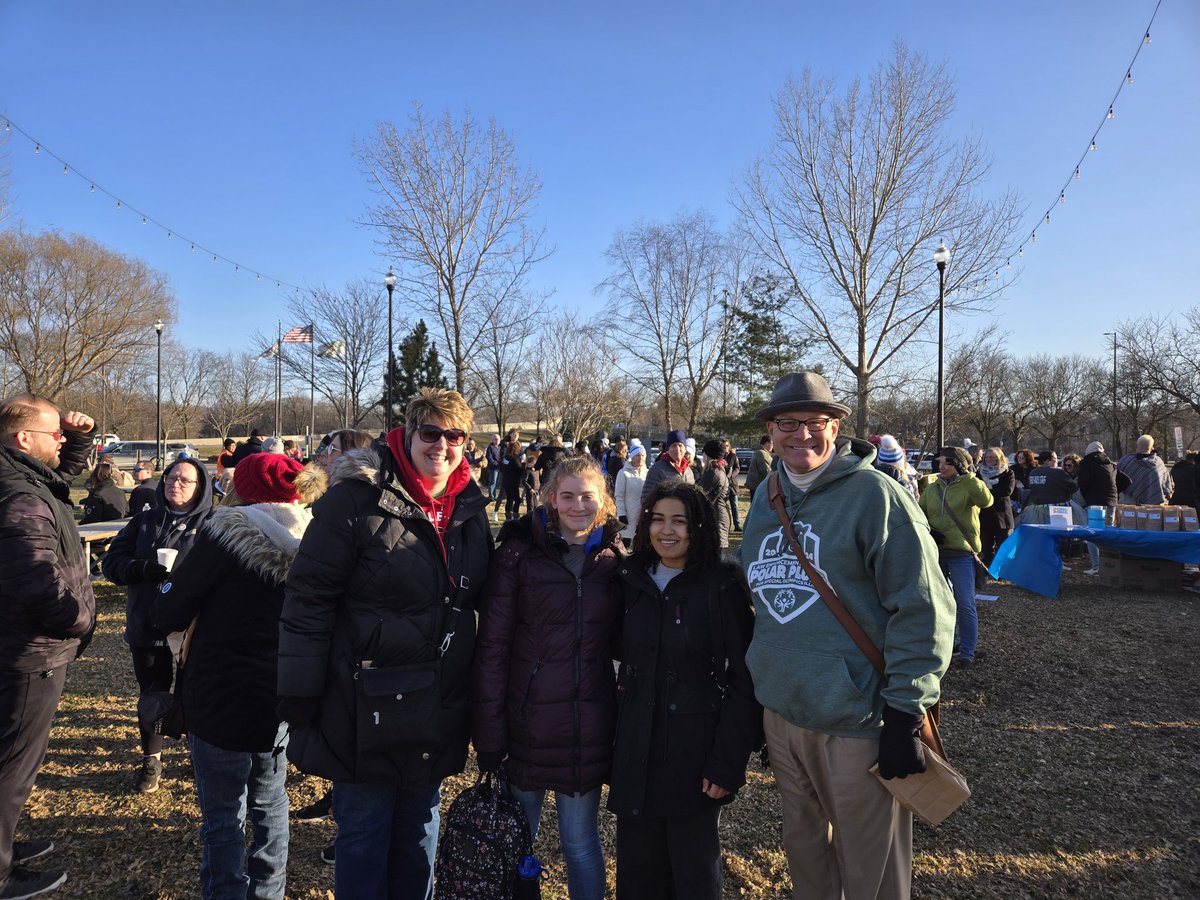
x=952, y=504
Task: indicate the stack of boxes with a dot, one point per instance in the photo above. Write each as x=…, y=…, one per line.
x=1124, y=571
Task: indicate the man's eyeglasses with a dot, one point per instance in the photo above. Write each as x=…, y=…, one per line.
x=813, y=425
x=57, y=435
x=431, y=434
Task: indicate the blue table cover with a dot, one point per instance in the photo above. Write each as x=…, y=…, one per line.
x=1030, y=555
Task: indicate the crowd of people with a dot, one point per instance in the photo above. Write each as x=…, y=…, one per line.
x=354, y=616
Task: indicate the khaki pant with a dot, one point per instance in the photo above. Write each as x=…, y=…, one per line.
x=844, y=835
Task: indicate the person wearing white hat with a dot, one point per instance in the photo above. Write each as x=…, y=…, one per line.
x=627, y=490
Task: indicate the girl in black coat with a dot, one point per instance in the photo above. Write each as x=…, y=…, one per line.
x=996, y=522
x=687, y=720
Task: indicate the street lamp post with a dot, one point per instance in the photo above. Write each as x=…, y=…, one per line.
x=941, y=256
x=390, y=282
x=1116, y=436
x=158, y=451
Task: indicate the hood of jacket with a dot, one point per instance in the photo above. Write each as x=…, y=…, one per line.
x=533, y=528
x=18, y=467
x=203, y=498
x=263, y=537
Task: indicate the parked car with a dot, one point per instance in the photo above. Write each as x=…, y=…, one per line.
x=126, y=454
x=744, y=455
x=174, y=448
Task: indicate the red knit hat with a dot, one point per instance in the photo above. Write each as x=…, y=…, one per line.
x=266, y=478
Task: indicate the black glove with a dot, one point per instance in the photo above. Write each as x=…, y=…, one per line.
x=147, y=570
x=624, y=520
x=489, y=760
x=298, y=710
x=900, y=750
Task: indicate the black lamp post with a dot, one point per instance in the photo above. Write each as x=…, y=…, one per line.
x=158, y=450
x=941, y=256
x=1116, y=436
x=389, y=281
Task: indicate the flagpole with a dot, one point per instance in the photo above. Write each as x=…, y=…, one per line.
x=278, y=373
x=312, y=384
x=345, y=388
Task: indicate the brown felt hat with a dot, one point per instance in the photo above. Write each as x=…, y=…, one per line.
x=802, y=390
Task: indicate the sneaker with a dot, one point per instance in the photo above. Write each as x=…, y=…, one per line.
x=317, y=810
x=966, y=664
x=327, y=855
x=22, y=883
x=1095, y=571
x=24, y=851
x=148, y=778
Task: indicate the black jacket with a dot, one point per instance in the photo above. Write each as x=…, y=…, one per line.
x=678, y=722
x=716, y=486
x=999, y=516
x=145, y=493
x=105, y=503
x=1099, y=480
x=140, y=540
x=251, y=445
x=1049, y=485
x=46, y=601
x=231, y=582
x=1185, y=475
x=372, y=584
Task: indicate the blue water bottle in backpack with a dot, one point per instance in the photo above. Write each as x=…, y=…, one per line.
x=529, y=879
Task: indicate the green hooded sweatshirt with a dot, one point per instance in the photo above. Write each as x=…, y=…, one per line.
x=966, y=495
x=862, y=531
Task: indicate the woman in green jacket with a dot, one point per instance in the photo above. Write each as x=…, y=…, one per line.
x=952, y=504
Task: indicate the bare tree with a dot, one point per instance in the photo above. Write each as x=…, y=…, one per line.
x=70, y=307
x=186, y=373
x=1164, y=352
x=851, y=200
x=350, y=331
x=673, y=283
x=239, y=391
x=1056, y=387
x=976, y=375
x=495, y=373
x=572, y=377
x=454, y=209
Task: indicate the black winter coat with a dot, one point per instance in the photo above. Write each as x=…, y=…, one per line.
x=715, y=484
x=46, y=602
x=677, y=723
x=140, y=540
x=999, y=516
x=1185, y=476
x=231, y=582
x=145, y=493
x=105, y=503
x=251, y=445
x=373, y=585
x=544, y=685
x=1099, y=480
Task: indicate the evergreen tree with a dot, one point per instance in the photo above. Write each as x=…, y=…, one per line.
x=416, y=366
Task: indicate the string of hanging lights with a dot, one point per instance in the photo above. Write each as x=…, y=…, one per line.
x=41, y=149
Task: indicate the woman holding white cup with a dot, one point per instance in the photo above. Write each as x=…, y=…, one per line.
x=148, y=547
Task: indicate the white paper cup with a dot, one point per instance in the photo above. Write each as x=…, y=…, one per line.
x=166, y=557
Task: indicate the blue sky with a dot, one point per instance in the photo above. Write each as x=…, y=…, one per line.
x=234, y=123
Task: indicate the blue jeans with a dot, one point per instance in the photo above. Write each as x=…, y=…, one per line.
x=578, y=835
x=493, y=480
x=961, y=572
x=386, y=840
x=228, y=785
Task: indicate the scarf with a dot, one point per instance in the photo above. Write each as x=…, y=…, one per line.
x=990, y=475
x=437, y=509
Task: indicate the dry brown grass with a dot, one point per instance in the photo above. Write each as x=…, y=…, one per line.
x=1078, y=732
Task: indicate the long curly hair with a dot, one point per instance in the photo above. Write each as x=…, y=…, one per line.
x=704, y=544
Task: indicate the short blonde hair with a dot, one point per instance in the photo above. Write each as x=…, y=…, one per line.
x=579, y=467
x=446, y=406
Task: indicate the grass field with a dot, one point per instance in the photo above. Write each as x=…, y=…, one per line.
x=1078, y=731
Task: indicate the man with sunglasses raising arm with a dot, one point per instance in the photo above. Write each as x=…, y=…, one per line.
x=47, y=611
x=828, y=715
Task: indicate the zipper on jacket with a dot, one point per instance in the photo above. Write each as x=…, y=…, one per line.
x=529, y=687
x=578, y=754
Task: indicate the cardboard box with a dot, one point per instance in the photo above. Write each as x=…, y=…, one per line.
x=1138, y=573
x=1171, y=517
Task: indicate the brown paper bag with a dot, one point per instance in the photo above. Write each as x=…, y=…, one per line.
x=1154, y=518
x=1142, y=514
x=1171, y=517
x=930, y=795
x=1188, y=520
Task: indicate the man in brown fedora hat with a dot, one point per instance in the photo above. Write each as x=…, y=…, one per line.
x=829, y=716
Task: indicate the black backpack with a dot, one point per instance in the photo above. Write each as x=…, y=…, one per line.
x=484, y=841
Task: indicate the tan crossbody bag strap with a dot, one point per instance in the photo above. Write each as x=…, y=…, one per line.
x=929, y=730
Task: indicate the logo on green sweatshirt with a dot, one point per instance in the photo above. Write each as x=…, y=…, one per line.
x=776, y=577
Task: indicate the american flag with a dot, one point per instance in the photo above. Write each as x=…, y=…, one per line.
x=299, y=335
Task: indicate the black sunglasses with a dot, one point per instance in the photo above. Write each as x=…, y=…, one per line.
x=430, y=434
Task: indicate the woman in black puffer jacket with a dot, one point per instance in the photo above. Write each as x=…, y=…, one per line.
x=996, y=521
x=545, y=699
x=376, y=641
x=105, y=502
x=184, y=503
x=688, y=720
x=231, y=585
